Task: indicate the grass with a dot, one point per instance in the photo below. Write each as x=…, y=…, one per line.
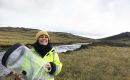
x=96, y=63
x=9, y=38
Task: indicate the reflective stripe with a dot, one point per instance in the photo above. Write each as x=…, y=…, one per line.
x=44, y=77
x=53, y=55
x=58, y=69
x=32, y=63
x=39, y=72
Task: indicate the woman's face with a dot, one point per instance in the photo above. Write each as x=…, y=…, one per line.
x=43, y=40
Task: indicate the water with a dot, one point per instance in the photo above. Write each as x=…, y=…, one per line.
x=70, y=47
x=59, y=49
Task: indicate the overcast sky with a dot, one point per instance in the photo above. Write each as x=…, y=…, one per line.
x=90, y=18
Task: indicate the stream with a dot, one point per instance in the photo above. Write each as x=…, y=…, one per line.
x=59, y=49
x=69, y=47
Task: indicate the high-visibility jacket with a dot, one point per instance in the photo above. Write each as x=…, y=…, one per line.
x=51, y=56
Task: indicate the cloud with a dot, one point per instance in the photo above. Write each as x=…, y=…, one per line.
x=100, y=18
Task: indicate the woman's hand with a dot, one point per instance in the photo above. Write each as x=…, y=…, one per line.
x=47, y=67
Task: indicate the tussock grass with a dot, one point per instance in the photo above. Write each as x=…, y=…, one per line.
x=96, y=63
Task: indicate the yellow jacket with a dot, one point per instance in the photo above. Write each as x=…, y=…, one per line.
x=51, y=56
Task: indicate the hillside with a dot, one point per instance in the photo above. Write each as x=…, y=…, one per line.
x=119, y=38
x=10, y=35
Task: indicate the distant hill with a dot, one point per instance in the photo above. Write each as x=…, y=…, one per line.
x=119, y=40
x=10, y=35
x=119, y=37
x=122, y=38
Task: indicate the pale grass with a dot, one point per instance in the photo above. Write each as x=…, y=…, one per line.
x=96, y=63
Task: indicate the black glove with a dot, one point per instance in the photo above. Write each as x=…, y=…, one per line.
x=53, y=68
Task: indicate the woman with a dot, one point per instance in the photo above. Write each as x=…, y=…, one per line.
x=43, y=48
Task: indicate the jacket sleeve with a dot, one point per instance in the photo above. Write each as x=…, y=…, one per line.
x=57, y=62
